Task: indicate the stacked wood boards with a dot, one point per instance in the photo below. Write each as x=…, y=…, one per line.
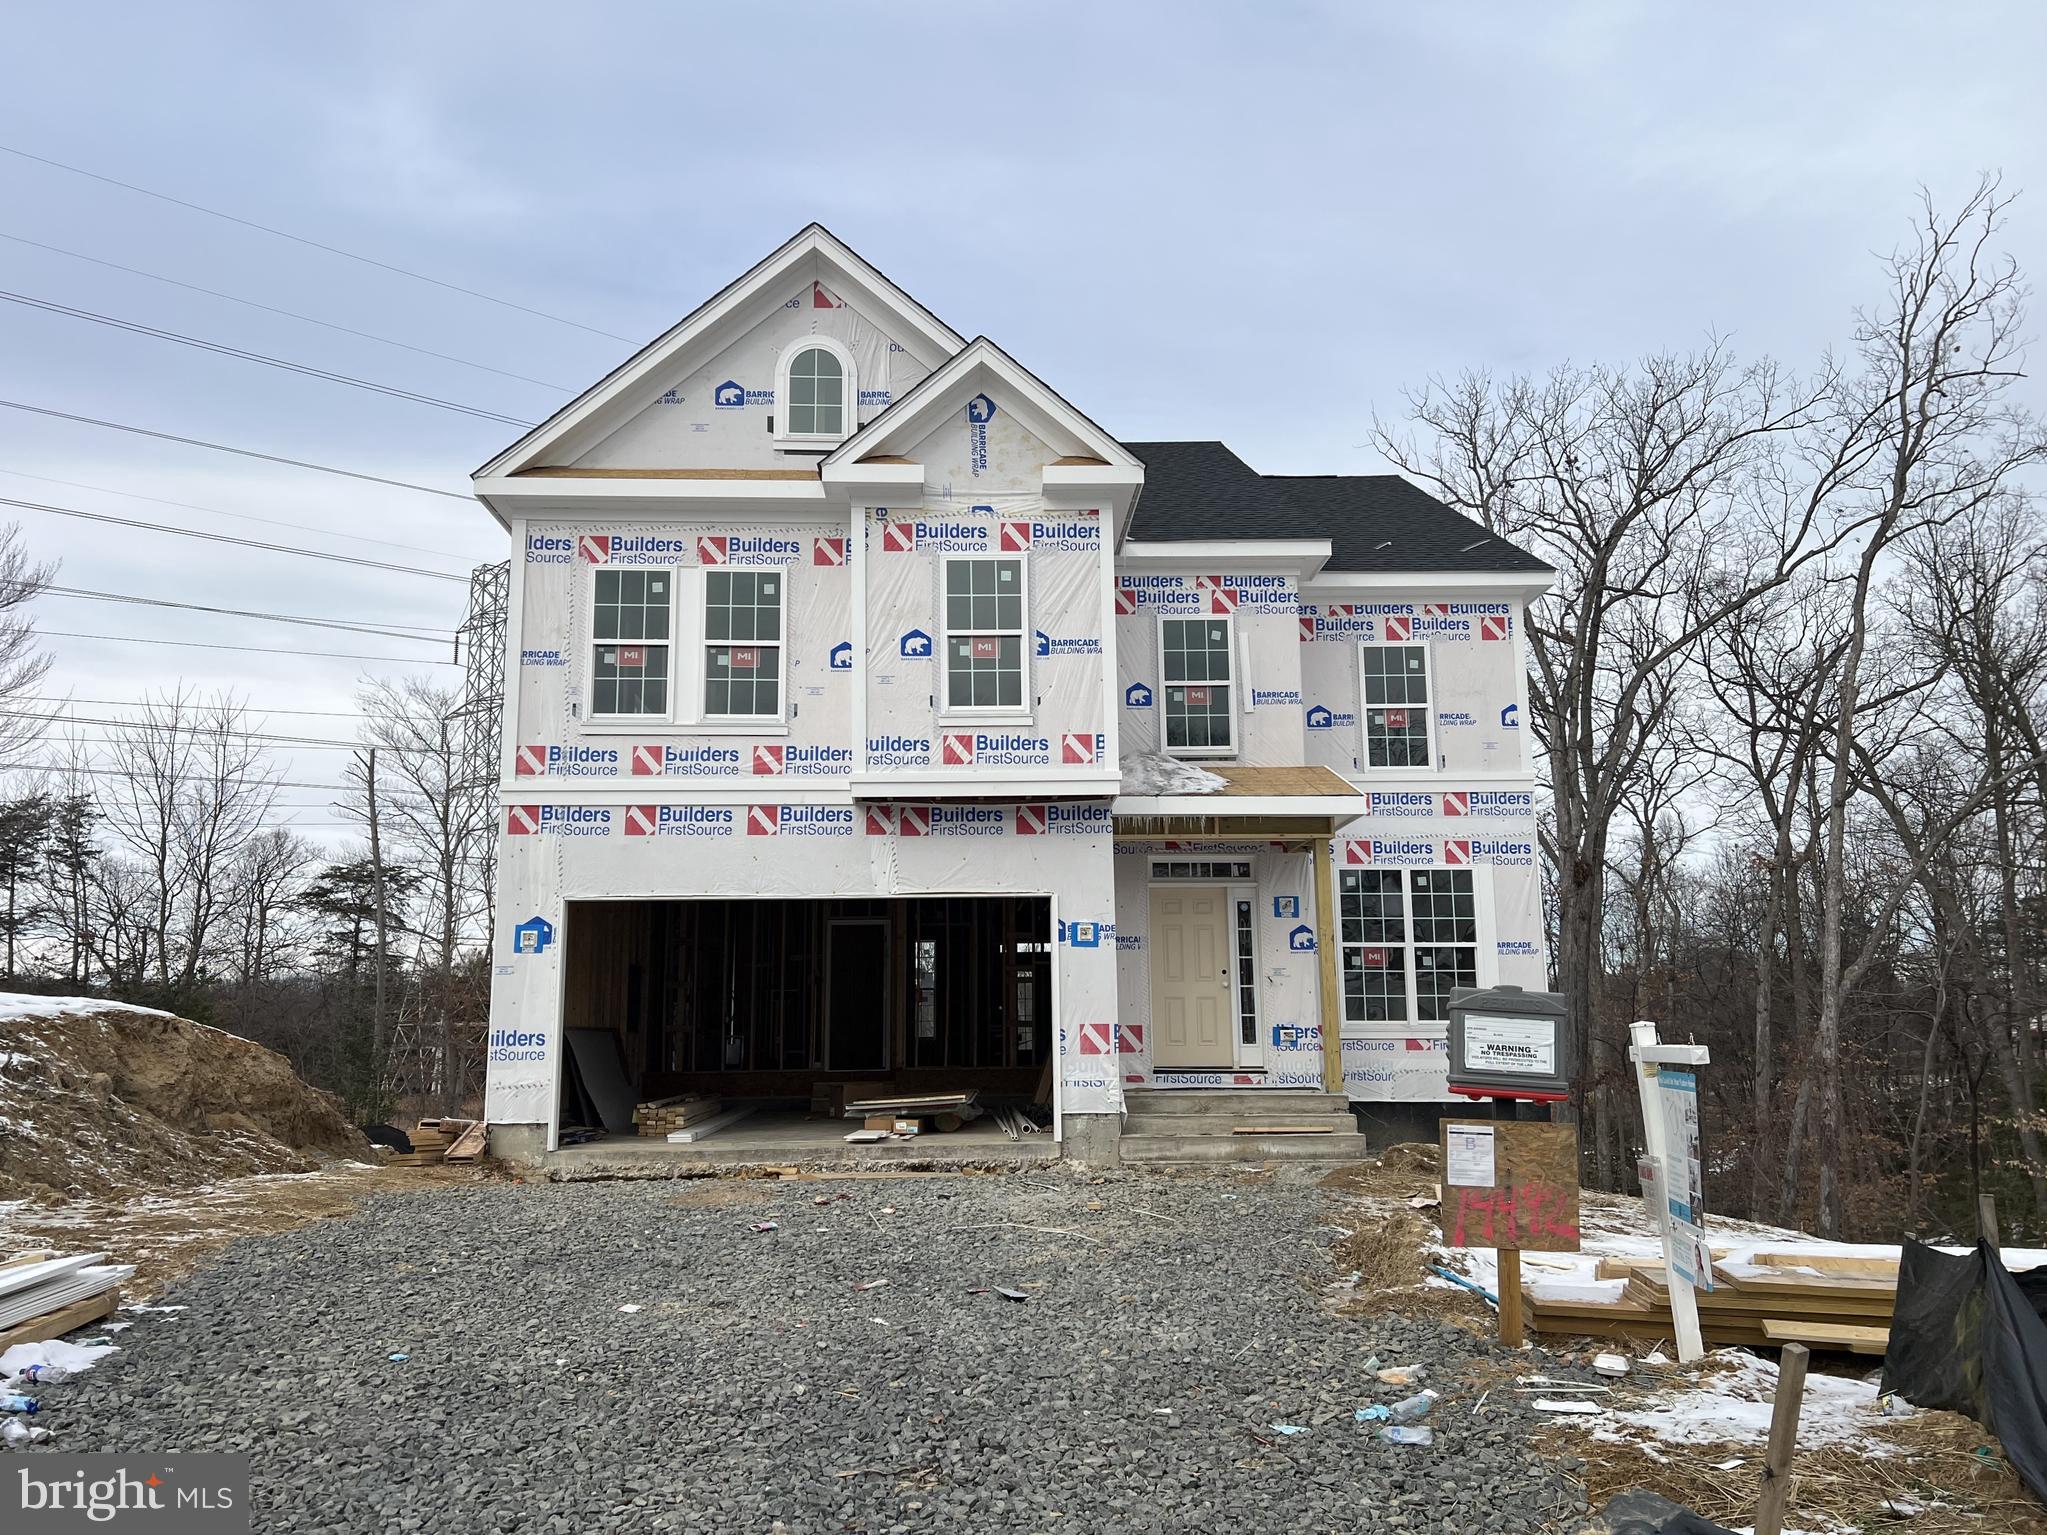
x=1841, y=1305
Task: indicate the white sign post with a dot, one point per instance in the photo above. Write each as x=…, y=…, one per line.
x=1667, y=1078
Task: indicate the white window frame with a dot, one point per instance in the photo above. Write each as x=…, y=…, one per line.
x=1432, y=766
x=1025, y=643
x=705, y=645
x=1239, y=692
x=1485, y=962
x=674, y=643
x=850, y=419
x=1250, y=1057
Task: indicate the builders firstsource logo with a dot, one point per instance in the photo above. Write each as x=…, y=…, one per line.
x=680, y=821
x=1063, y=820
x=779, y=761
x=798, y=821
x=1389, y=852
x=984, y=748
x=558, y=820
x=1487, y=804
x=898, y=751
x=1207, y=594
x=1400, y=803
x=632, y=549
x=655, y=760
x=553, y=760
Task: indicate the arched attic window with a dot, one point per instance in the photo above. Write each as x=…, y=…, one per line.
x=816, y=392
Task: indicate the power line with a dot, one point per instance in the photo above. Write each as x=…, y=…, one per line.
x=66, y=769
x=268, y=650
x=225, y=538
x=334, y=250
x=220, y=349
x=143, y=703
x=221, y=447
x=215, y=511
x=429, y=636
x=345, y=330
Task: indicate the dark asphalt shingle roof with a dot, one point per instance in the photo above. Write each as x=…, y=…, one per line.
x=1195, y=491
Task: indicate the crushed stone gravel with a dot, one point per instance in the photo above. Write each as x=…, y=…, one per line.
x=1167, y=1323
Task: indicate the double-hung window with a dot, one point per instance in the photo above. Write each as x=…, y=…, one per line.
x=984, y=634
x=1396, y=706
x=1410, y=938
x=630, y=632
x=1196, y=673
x=743, y=644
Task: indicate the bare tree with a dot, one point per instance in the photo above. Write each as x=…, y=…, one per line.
x=1933, y=399
x=1667, y=497
x=23, y=664
x=437, y=827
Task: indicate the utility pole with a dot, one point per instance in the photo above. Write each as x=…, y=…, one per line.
x=383, y=944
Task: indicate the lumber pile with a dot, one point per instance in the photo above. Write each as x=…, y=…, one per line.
x=659, y=1118
x=1835, y=1303
x=914, y=1113
x=441, y=1140
x=44, y=1296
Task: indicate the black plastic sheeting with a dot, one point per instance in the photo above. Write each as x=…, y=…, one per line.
x=1968, y=1335
x=1647, y=1513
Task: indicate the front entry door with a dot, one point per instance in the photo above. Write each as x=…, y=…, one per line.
x=1190, y=979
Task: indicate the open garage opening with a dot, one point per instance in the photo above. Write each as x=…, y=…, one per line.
x=791, y=1008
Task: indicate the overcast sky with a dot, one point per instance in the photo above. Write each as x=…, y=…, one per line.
x=1253, y=222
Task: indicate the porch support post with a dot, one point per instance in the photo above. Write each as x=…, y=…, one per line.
x=1325, y=947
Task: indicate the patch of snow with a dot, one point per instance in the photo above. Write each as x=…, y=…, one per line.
x=1153, y=773
x=16, y=1005
x=1733, y=1403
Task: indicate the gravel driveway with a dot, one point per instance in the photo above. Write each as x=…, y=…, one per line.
x=759, y=1389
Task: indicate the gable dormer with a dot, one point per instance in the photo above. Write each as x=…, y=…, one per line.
x=777, y=369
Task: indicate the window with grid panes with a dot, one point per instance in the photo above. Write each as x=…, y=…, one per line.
x=743, y=643
x=1195, y=673
x=1396, y=705
x=1445, y=912
x=984, y=634
x=817, y=393
x=629, y=632
x=1247, y=975
x=1409, y=938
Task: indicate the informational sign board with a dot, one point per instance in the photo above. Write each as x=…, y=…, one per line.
x=1511, y=1185
x=1510, y=1043
x=1684, y=1188
x=1527, y=1046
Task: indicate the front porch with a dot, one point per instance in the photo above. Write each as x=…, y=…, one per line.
x=1230, y=1041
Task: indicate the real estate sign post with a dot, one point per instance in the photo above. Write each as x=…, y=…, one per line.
x=1667, y=1078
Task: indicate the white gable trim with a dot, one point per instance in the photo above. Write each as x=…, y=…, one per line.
x=980, y=367
x=815, y=252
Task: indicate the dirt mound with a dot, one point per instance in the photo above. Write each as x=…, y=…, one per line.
x=99, y=1098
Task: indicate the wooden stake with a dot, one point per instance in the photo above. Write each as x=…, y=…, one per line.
x=1986, y=1219
x=1776, y=1489
x=1510, y=1296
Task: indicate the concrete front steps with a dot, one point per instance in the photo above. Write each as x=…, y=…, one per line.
x=1193, y=1126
